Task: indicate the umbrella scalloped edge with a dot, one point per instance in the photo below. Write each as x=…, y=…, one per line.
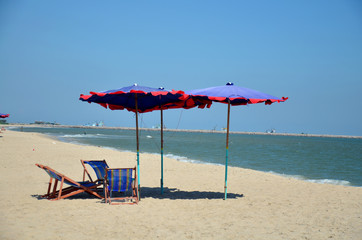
x=239, y=101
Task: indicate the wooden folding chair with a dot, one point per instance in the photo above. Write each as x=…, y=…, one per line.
x=99, y=167
x=120, y=180
x=73, y=189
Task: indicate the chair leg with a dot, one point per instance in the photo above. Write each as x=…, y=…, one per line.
x=48, y=194
x=50, y=185
x=104, y=192
x=54, y=188
x=106, y=195
x=61, y=188
x=110, y=197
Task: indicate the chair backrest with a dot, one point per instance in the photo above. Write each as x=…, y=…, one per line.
x=120, y=179
x=99, y=167
x=54, y=174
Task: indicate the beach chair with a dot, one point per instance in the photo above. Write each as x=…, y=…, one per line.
x=64, y=192
x=120, y=180
x=99, y=167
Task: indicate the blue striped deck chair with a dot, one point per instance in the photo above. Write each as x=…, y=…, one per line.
x=99, y=167
x=64, y=192
x=121, y=180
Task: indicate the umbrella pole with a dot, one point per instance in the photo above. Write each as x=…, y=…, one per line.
x=161, y=151
x=138, y=151
x=227, y=152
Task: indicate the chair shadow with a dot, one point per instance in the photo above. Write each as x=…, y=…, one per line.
x=79, y=196
x=37, y=196
x=175, y=194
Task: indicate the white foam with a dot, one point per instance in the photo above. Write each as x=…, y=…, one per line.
x=179, y=158
x=330, y=181
x=115, y=149
x=81, y=135
x=186, y=159
x=320, y=181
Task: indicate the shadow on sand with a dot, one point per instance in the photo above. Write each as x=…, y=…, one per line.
x=174, y=194
x=168, y=193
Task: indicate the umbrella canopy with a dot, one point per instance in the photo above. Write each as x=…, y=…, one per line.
x=4, y=115
x=233, y=96
x=140, y=99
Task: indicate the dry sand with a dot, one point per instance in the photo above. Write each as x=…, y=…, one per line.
x=260, y=205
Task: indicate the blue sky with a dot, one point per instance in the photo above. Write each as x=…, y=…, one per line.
x=309, y=51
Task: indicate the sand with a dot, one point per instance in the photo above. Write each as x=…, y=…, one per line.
x=260, y=205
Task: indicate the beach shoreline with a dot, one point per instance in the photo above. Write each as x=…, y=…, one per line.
x=331, y=179
x=182, y=130
x=259, y=206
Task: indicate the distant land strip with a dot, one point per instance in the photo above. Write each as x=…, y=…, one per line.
x=181, y=130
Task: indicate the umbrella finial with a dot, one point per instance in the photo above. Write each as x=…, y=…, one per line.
x=229, y=84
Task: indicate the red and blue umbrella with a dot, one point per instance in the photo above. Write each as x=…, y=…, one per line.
x=140, y=99
x=4, y=115
x=232, y=96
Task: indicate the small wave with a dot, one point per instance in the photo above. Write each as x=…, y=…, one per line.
x=187, y=160
x=179, y=158
x=330, y=181
x=183, y=159
x=83, y=136
x=320, y=181
x=114, y=149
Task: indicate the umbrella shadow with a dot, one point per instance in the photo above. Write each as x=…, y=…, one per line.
x=175, y=194
x=154, y=192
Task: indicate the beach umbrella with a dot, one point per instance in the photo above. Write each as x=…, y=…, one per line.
x=232, y=96
x=140, y=99
x=4, y=115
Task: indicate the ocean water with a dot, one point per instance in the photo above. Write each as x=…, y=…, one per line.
x=317, y=159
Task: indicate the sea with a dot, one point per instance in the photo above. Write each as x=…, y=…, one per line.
x=324, y=160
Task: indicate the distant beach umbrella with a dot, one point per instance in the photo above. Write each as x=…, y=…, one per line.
x=232, y=96
x=4, y=115
x=140, y=99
